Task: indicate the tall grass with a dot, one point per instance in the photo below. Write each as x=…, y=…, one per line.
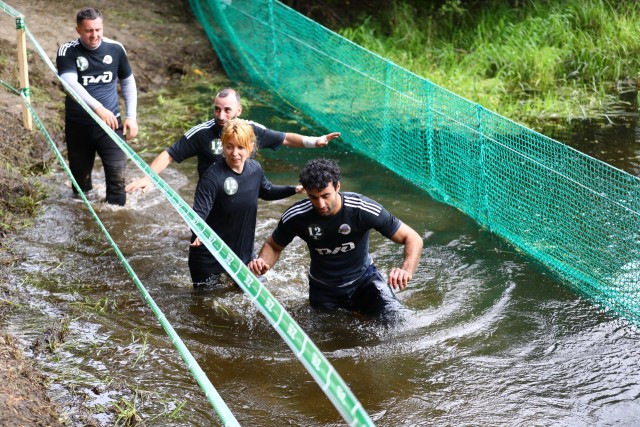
x=546, y=59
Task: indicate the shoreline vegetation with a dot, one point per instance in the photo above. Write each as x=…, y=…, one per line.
x=541, y=63
x=534, y=62
x=152, y=31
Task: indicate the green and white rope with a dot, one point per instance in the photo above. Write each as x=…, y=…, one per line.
x=209, y=390
x=303, y=347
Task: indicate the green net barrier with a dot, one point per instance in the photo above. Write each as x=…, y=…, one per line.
x=578, y=216
x=303, y=347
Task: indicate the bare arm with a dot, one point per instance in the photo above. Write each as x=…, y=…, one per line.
x=400, y=277
x=269, y=255
x=158, y=164
x=300, y=141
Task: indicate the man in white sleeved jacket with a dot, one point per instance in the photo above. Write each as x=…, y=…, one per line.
x=92, y=65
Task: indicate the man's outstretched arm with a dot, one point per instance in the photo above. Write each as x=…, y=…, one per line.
x=300, y=141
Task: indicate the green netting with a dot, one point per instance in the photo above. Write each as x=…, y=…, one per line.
x=575, y=214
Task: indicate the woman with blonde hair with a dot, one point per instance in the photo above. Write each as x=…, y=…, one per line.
x=227, y=199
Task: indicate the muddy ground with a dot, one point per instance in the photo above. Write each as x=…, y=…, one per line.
x=164, y=43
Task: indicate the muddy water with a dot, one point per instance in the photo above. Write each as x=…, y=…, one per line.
x=492, y=338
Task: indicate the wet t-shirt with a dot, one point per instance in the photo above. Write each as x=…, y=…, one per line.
x=228, y=202
x=338, y=244
x=204, y=141
x=98, y=72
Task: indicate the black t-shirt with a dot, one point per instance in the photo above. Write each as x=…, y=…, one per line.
x=204, y=141
x=98, y=72
x=228, y=202
x=338, y=244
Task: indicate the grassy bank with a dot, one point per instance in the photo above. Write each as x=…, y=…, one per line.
x=23, y=154
x=543, y=60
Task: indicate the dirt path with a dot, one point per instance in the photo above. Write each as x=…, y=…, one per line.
x=163, y=42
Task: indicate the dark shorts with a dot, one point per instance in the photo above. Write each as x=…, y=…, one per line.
x=203, y=266
x=204, y=273
x=83, y=142
x=369, y=295
x=214, y=281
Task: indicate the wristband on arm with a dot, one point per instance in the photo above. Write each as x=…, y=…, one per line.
x=310, y=141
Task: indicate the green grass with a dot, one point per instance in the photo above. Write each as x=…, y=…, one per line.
x=547, y=59
x=171, y=111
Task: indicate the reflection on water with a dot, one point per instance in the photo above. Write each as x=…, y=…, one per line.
x=491, y=337
x=616, y=141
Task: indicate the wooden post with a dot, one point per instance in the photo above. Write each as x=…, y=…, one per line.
x=23, y=71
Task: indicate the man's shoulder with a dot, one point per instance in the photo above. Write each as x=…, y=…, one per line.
x=256, y=126
x=362, y=203
x=203, y=128
x=297, y=211
x=68, y=47
x=353, y=198
x=261, y=129
x=112, y=44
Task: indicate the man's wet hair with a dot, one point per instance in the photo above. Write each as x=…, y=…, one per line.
x=226, y=92
x=319, y=173
x=88, y=13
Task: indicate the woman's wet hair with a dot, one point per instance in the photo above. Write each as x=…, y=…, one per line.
x=242, y=132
